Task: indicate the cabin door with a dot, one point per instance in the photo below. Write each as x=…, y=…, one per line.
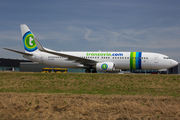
x=156, y=58
x=42, y=58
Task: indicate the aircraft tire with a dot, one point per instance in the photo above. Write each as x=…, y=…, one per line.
x=94, y=71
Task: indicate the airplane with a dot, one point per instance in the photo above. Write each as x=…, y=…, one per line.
x=91, y=61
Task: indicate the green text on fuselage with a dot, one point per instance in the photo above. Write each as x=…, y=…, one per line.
x=98, y=54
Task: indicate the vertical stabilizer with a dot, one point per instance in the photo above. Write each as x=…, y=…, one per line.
x=28, y=39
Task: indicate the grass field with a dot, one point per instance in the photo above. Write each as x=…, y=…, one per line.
x=161, y=85
x=89, y=96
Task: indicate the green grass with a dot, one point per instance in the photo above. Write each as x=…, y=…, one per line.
x=163, y=85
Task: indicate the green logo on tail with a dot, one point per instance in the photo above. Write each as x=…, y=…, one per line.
x=29, y=43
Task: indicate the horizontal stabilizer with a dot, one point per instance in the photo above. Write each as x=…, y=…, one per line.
x=23, y=53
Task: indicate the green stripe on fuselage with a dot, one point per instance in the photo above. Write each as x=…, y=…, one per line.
x=132, y=60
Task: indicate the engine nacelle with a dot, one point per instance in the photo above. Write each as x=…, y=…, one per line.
x=105, y=66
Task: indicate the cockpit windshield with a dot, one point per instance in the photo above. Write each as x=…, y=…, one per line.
x=166, y=57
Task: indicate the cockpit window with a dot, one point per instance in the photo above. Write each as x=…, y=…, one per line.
x=166, y=57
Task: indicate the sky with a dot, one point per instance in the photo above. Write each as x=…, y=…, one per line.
x=93, y=25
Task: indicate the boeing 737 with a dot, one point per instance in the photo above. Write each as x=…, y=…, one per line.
x=95, y=61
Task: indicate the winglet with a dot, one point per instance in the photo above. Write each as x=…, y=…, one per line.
x=40, y=47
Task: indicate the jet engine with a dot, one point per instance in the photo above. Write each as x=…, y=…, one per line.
x=105, y=66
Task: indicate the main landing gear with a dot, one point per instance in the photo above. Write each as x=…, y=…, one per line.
x=89, y=71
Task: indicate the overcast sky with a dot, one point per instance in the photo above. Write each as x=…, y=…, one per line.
x=93, y=25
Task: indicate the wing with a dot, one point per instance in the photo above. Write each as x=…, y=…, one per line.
x=84, y=61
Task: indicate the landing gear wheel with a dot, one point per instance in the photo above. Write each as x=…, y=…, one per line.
x=94, y=71
x=88, y=71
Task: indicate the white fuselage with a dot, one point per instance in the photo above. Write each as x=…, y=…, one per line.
x=98, y=61
x=122, y=60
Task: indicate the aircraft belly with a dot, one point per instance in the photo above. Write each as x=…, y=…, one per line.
x=122, y=65
x=61, y=63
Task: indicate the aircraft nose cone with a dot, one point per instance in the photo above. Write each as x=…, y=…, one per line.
x=173, y=63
